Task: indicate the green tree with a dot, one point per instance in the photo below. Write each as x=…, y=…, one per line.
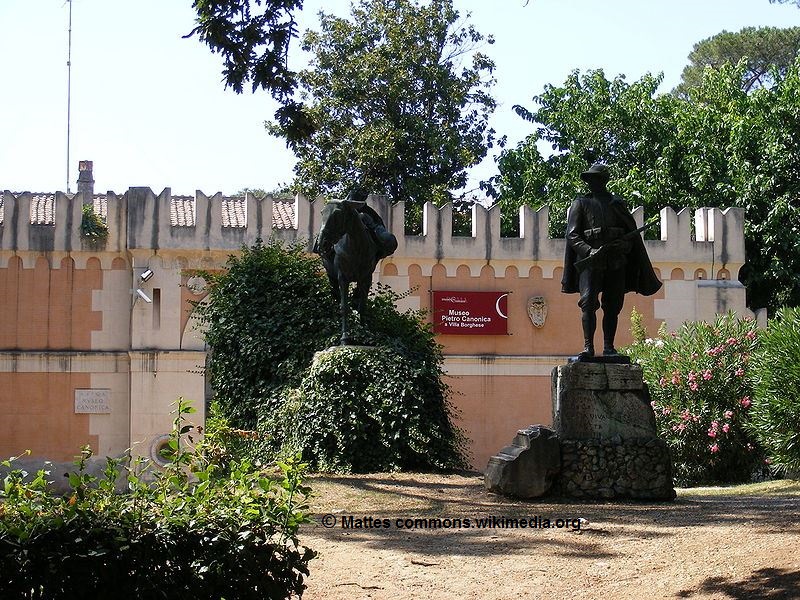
x=768, y=52
x=398, y=102
x=253, y=38
x=719, y=147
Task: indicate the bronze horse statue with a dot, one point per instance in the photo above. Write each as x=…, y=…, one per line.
x=351, y=241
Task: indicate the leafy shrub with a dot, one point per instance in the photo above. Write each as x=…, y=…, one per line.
x=775, y=414
x=700, y=381
x=267, y=317
x=93, y=227
x=213, y=535
x=395, y=421
x=269, y=312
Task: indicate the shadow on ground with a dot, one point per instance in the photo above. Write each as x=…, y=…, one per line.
x=463, y=497
x=763, y=584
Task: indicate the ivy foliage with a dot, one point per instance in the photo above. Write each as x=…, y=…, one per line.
x=720, y=147
x=228, y=533
x=382, y=408
x=775, y=416
x=267, y=316
x=379, y=407
x=93, y=227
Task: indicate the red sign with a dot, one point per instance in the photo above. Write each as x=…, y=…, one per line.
x=470, y=313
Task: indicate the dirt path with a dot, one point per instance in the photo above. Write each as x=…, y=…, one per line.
x=698, y=547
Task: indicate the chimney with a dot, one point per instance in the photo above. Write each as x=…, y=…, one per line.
x=86, y=181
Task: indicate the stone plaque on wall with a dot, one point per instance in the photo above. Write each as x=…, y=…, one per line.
x=95, y=402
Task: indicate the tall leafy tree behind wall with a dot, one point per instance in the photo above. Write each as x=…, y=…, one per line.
x=719, y=147
x=767, y=51
x=397, y=100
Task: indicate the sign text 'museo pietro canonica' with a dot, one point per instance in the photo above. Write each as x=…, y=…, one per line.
x=470, y=313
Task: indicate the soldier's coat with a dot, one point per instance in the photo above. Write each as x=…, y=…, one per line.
x=639, y=274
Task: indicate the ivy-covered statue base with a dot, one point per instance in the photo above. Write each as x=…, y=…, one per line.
x=380, y=406
x=362, y=409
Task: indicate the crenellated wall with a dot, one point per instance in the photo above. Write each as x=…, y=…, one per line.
x=72, y=319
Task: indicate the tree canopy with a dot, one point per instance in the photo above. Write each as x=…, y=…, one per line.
x=397, y=101
x=253, y=37
x=721, y=147
x=768, y=52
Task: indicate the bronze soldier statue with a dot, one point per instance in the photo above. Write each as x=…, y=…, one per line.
x=605, y=258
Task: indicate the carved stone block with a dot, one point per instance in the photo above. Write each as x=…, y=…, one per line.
x=526, y=468
x=595, y=401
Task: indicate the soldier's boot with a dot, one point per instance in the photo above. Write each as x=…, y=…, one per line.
x=609, y=332
x=589, y=321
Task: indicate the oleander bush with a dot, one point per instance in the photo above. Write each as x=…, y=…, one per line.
x=189, y=531
x=701, y=384
x=775, y=414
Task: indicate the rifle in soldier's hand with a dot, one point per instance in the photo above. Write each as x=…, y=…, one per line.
x=600, y=252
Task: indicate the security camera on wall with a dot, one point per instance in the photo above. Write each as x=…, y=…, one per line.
x=143, y=296
x=146, y=276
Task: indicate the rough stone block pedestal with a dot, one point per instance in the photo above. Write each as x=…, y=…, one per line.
x=528, y=466
x=605, y=430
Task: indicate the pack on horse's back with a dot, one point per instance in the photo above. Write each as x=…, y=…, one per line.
x=351, y=241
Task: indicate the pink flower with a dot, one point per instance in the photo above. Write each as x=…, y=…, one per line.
x=767, y=461
x=739, y=372
x=692, y=376
x=676, y=377
x=694, y=355
x=712, y=433
x=662, y=382
x=714, y=449
x=693, y=387
x=686, y=415
x=732, y=341
x=653, y=403
x=726, y=427
x=750, y=335
x=745, y=402
x=707, y=374
x=728, y=414
x=666, y=410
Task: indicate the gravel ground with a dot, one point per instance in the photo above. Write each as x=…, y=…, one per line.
x=731, y=543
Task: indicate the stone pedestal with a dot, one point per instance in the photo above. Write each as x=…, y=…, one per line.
x=605, y=431
x=593, y=400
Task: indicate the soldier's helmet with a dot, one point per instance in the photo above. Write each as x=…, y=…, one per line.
x=597, y=171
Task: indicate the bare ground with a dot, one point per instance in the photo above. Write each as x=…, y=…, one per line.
x=741, y=543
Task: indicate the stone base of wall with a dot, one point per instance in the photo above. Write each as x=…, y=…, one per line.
x=614, y=468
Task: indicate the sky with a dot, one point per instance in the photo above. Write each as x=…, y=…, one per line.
x=150, y=108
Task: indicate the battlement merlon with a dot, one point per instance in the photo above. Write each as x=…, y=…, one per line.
x=140, y=219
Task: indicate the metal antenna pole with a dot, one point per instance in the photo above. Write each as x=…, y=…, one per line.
x=69, y=82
